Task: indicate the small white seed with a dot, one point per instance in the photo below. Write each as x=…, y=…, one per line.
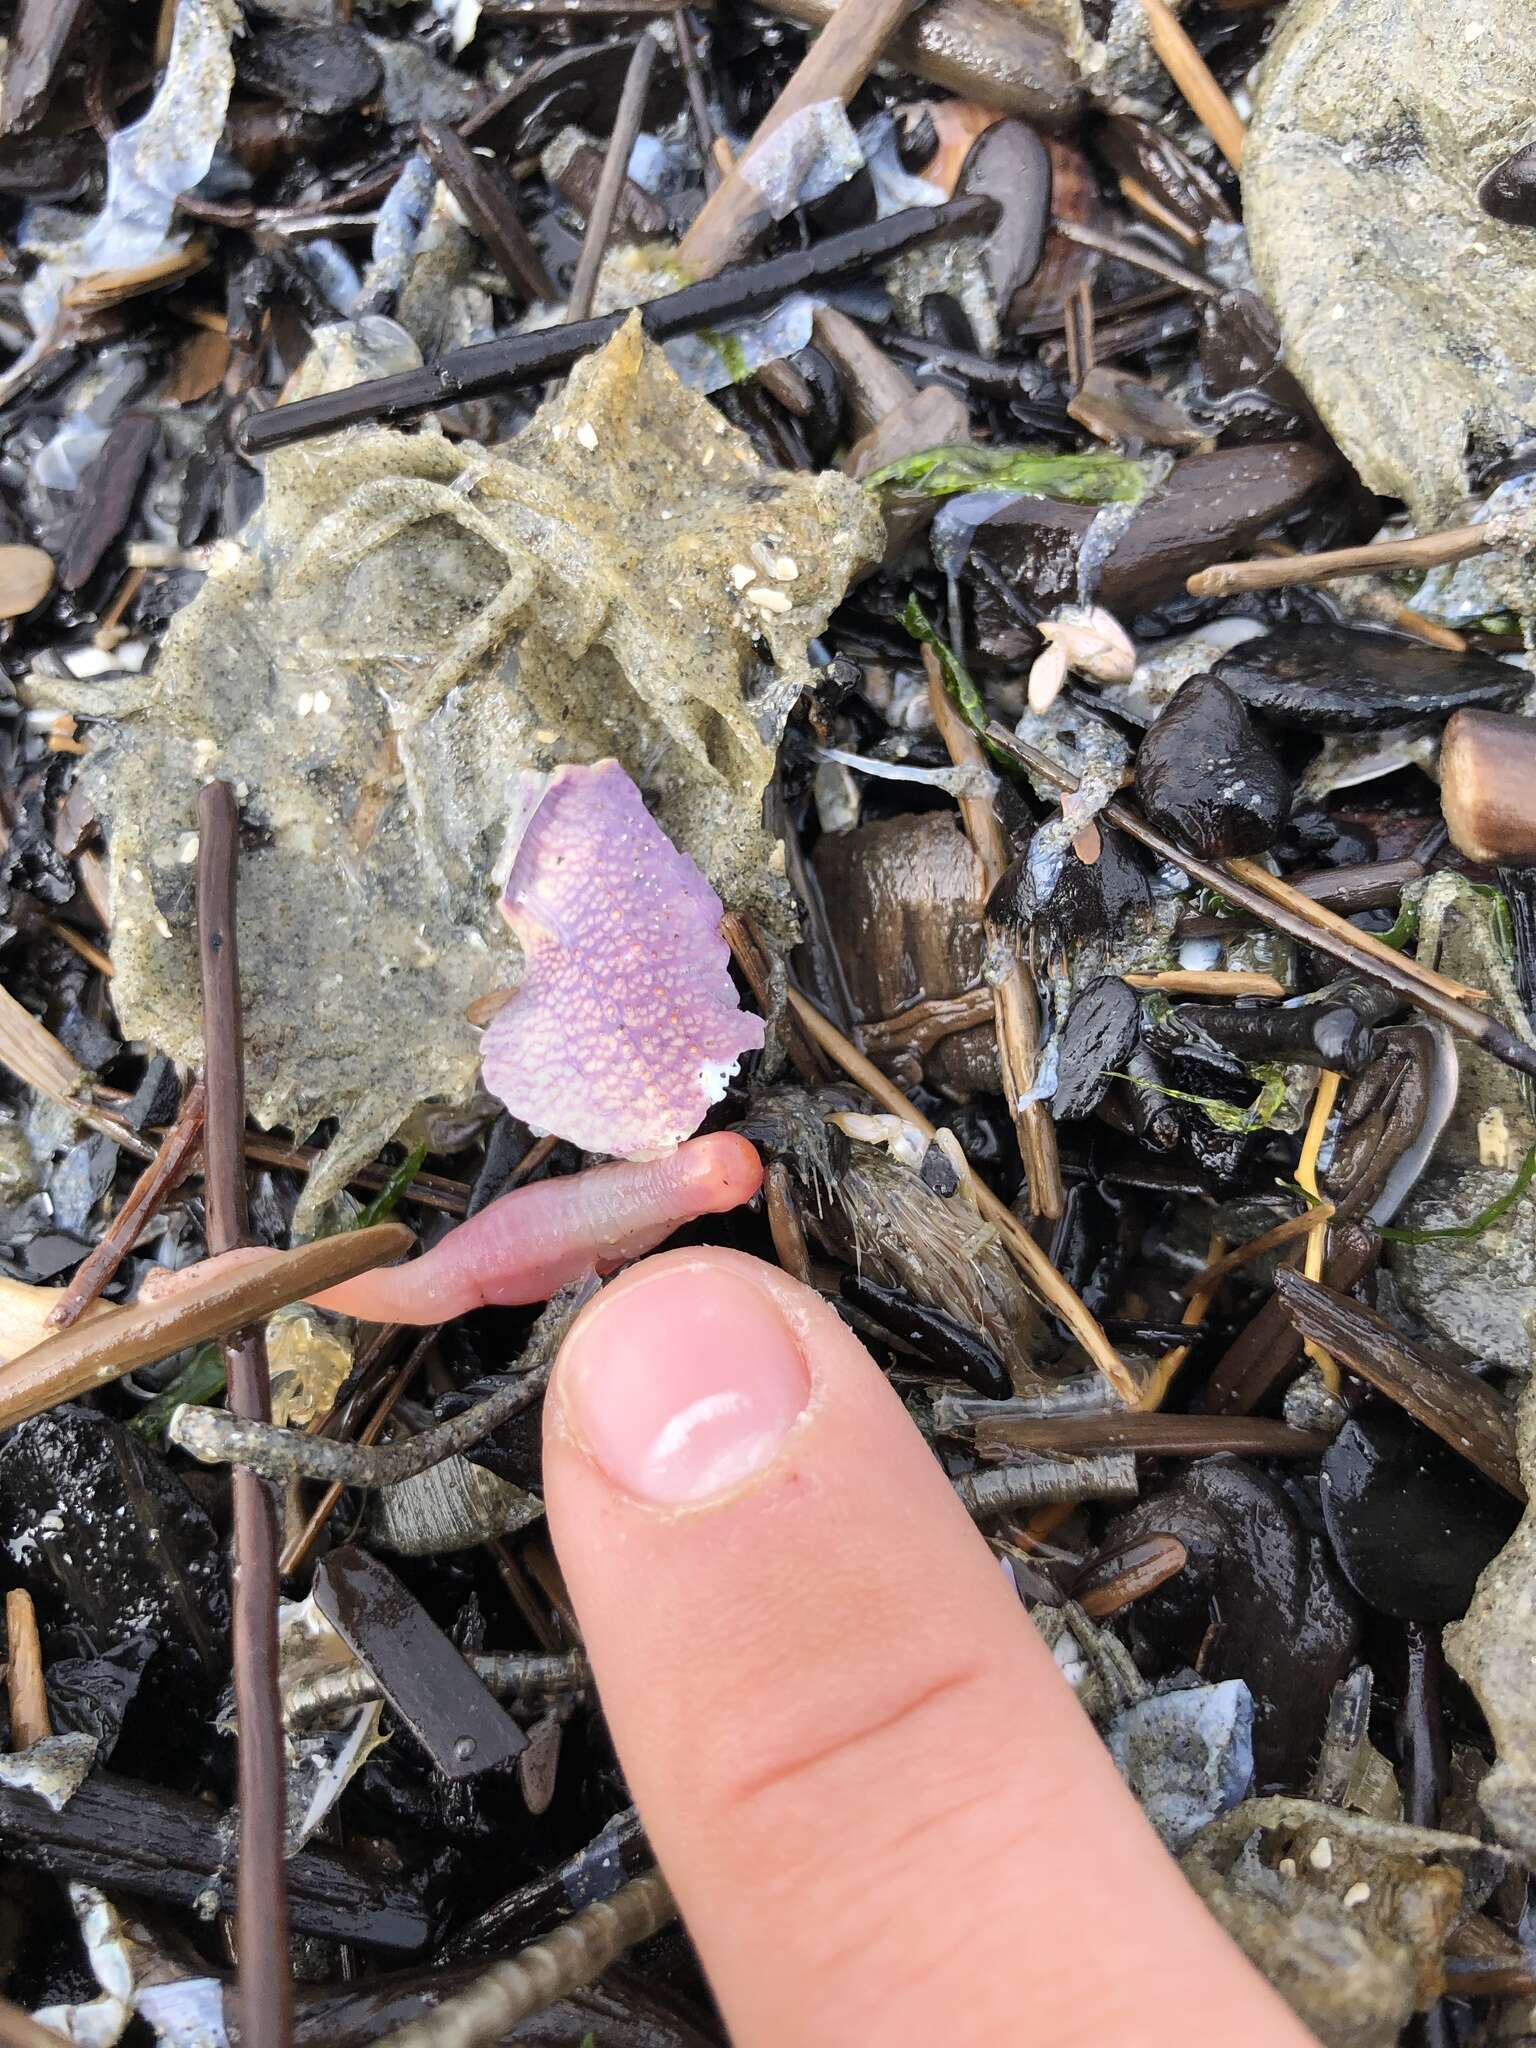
x=1322, y=1854
x=1357, y=1895
x=1046, y=678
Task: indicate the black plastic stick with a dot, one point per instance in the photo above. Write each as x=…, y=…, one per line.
x=489, y=367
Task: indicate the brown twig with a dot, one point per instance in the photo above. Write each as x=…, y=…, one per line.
x=1153, y=1435
x=834, y=67
x=784, y=1223
x=1217, y=1269
x=1014, y=1001
x=261, y=1894
x=488, y=210
x=1037, y=1268
x=626, y=126
x=1376, y=558
x=1463, y=1411
x=1192, y=75
x=177, y=1151
x=18, y=2029
x=24, y=1672
x=1276, y=904
x=575, y=1954
x=1173, y=1361
x=1140, y=257
x=118, y=1340
x=298, y=1550
x=698, y=98
x=1215, y=981
x=77, y=942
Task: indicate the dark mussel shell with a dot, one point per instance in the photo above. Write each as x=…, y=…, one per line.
x=1509, y=190
x=1321, y=678
x=1412, y=1524
x=1208, y=777
x=1097, y=1039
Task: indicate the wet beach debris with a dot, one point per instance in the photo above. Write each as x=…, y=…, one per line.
x=422, y=619
x=921, y=723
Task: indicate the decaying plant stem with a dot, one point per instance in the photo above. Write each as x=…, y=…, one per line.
x=158, y=1180
x=626, y=126
x=1014, y=1002
x=1032, y=1261
x=219, y=1438
x=1376, y=558
x=24, y=1672
x=261, y=1896
x=547, y=1970
x=1192, y=75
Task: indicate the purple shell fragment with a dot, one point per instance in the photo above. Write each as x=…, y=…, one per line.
x=625, y=1026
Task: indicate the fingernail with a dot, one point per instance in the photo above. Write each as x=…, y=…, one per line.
x=684, y=1384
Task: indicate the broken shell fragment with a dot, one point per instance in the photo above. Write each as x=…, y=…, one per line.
x=1488, y=786
x=1208, y=777
x=1344, y=679
x=625, y=1027
x=1093, y=641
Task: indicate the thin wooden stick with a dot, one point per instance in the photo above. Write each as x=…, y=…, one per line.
x=1319, y=915
x=1376, y=558
x=178, y=1148
x=698, y=100
x=77, y=942
x=1192, y=75
x=1153, y=1435
x=1042, y=1275
x=1162, y=1376
x=1015, y=1004
x=1276, y=904
x=261, y=1881
x=626, y=126
x=1153, y=261
x=24, y=1672
x=1317, y=1237
x=834, y=67
x=118, y=1340
x=1212, y=982
x=1217, y=1269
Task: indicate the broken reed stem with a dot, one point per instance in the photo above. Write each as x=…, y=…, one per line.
x=626, y=126
x=1317, y=1237
x=698, y=98
x=1154, y=1435
x=485, y=369
x=1218, y=1268
x=523, y=1676
x=1015, y=1004
x=18, y=2029
x=834, y=67
x=1210, y=982
x=1162, y=1375
x=178, y=1148
x=1376, y=558
x=1192, y=75
x=119, y=1340
x=784, y=1225
x=222, y=1438
x=1463, y=1411
x=32, y=1053
x=1032, y=1261
x=24, y=1672
x=261, y=1881
x=1277, y=904
x=546, y=1971
x=1323, y=919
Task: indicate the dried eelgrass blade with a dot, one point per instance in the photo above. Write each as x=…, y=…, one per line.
x=93, y=1353
x=35, y=1056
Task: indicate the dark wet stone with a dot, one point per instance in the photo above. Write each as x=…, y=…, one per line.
x=1283, y=1618
x=1412, y=1525
x=1085, y=899
x=1342, y=679
x=92, y=1695
x=157, y=1097
x=323, y=70
x=1098, y=1038
x=80, y=1180
x=90, y=1043
x=1509, y=190
x=51, y=1253
x=1010, y=164
x=101, y=1532
x=1208, y=777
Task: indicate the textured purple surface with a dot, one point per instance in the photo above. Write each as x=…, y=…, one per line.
x=625, y=1025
